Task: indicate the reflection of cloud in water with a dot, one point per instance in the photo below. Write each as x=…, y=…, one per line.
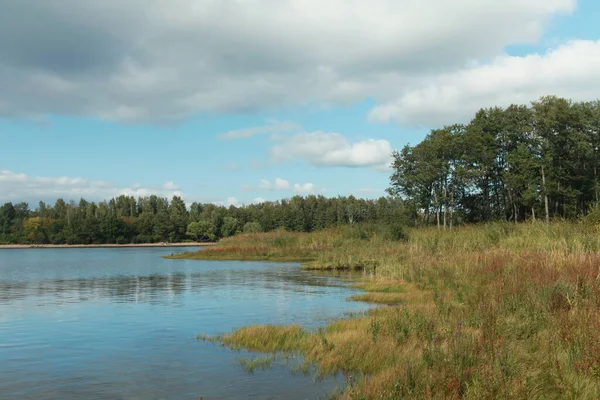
x=167, y=288
x=121, y=324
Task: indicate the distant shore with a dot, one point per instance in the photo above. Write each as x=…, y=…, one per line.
x=85, y=246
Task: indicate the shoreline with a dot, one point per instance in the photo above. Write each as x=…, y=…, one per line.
x=99, y=246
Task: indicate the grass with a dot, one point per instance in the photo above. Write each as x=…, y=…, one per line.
x=320, y=251
x=251, y=364
x=479, y=312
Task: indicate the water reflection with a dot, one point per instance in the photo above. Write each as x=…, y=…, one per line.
x=120, y=324
x=166, y=287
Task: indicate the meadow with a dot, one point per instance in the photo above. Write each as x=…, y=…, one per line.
x=485, y=311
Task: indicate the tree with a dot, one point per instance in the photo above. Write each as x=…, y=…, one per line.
x=179, y=218
x=36, y=229
x=230, y=227
x=201, y=231
x=7, y=215
x=506, y=164
x=252, y=227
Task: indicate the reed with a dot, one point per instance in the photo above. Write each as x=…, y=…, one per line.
x=479, y=312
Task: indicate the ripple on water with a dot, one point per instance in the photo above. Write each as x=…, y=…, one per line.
x=121, y=323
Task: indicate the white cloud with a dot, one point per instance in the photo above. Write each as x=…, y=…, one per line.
x=279, y=184
x=571, y=70
x=307, y=188
x=16, y=187
x=284, y=185
x=273, y=127
x=162, y=61
x=333, y=150
x=232, y=201
x=170, y=186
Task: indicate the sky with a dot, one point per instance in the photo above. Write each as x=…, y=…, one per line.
x=241, y=101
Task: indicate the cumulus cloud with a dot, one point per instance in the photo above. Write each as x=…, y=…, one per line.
x=332, y=150
x=16, y=187
x=307, y=188
x=278, y=184
x=157, y=61
x=170, y=186
x=273, y=127
x=232, y=201
x=284, y=185
x=571, y=70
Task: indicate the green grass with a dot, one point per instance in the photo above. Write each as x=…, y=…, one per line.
x=480, y=312
x=252, y=364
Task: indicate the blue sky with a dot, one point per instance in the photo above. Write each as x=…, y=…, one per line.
x=228, y=112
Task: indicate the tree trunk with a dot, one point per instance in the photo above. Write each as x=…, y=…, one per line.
x=486, y=195
x=596, y=181
x=533, y=213
x=451, y=209
x=427, y=211
x=546, y=202
x=445, y=203
x=514, y=205
x=437, y=209
x=557, y=201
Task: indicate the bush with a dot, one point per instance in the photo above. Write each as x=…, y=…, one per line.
x=202, y=231
x=397, y=231
x=252, y=227
x=593, y=215
x=230, y=227
x=142, y=239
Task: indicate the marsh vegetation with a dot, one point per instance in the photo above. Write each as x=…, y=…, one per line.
x=490, y=311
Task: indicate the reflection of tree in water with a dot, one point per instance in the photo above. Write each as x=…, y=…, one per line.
x=152, y=288
x=166, y=288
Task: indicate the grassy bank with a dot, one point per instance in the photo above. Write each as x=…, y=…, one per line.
x=100, y=246
x=490, y=311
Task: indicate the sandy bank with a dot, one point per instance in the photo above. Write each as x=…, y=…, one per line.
x=85, y=246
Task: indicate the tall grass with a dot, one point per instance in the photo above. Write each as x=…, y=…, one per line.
x=488, y=311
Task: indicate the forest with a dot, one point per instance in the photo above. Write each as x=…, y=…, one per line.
x=507, y=164
x=153, y=219
x=515, y=163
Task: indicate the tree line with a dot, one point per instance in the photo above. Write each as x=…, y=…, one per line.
x=515, y=163
x=153, y=219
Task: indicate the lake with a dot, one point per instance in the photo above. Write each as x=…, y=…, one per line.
x=122, y=324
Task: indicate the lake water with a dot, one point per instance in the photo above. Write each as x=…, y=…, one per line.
x=121, y=324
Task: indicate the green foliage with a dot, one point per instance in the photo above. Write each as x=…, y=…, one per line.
x=229, y=227
x=251, y=364
x=497, y=310
x=252, y=227
x=201, y=231
x=593, y=216
x=126, y=219
x=516, y=163
x=397, y=231
x=374, y=328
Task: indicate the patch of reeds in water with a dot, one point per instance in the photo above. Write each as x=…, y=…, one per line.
x=479, y=312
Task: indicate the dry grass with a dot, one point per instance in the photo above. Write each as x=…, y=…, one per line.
x=491, y=311
x=266, y=338
x=379, y=298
